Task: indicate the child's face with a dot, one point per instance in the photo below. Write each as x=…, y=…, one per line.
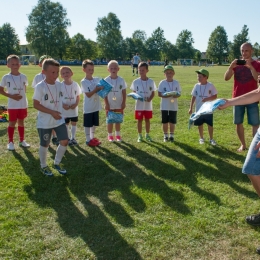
x=51, y=73
x=66, y=73
x=142, y=71
x=201, y=78
x=89, y=70
x=14, y=65
x=113, y=69
x=169, y=74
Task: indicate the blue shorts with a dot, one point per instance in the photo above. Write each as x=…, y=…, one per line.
x=252, y=164
x=252, y=114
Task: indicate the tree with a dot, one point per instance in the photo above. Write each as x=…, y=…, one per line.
x=140, y=35
x=197, y=56
x=109, y=37
x=184, y=44
x=217, y=45
x=170, y=51
x=47, y=30
x=239, y=39
x=256, y=48
x=9, y=43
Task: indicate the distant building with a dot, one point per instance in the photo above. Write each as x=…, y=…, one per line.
x=24, y=47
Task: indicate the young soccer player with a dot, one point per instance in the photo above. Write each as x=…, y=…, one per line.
x=203, y=91
x=145, y=87
x=169, y=104
x=15, y=84
x=47, y=99
x=92, y=104
x=116, y=98
x=70, y=101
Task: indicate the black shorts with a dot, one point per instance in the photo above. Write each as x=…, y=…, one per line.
x=207, y=119
x=91, y=119
x=72, y=119
x=169, y=117
x=135, y=65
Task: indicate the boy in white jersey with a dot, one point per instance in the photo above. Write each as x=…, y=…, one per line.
x=116, y=98
x=91, y=105
x=47, y=99
x=203, y=91
x=15, y=84
x=169, y=104
x=145, y=87
x=70, y=99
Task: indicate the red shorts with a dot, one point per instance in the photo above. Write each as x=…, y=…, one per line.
x=14, y=114
x=116, y=111
x=139, y=115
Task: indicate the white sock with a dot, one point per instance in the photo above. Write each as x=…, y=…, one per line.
x=92, y=131
x=117, y=133
x=59, y=153
x=110, y=134
x=43, y=156
x=87, y=133
x=73, y=131
x=165, y=135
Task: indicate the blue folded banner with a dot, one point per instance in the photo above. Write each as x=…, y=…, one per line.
x=114, y=117
x=172, y=93
x=135, y=96
x=106, y=88
x=207, y=108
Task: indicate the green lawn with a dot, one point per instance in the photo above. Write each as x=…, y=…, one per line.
x=130, y=200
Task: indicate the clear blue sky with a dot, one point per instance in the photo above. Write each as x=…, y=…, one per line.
x=200, y=17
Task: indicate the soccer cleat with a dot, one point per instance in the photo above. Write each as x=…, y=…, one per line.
x=165, y=139
x=253, y=220
x=47, y=171
x=59, y=169
x=118, y=138
x=171, y=139
x=201, y=141
x=212, y=142
x=70, y=143
x=55, y=141
x=92, y=143
x=24, y=144
x=140, y=139
x=74, y=142
x=10, y=146
x=97, y=141
x=148, y=138
x=110, y=138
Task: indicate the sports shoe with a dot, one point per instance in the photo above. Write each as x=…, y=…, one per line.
x=171, y=139
x=140, y=139
x=165, y=139
x=10, y=146
x=148, y=138
x=58, y=168
x=201, y=141
x=47, y=171
x=70, y=143
x=55, y=141
x=110, y=138
x=212, y=142
x=253, y=220
x=24, y=144
x=97, y=141
x=118, y=138
x=92, y=143
x=74, y=142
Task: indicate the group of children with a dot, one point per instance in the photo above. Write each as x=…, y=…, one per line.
x=57, y=104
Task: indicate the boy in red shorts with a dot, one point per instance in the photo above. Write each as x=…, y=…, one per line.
x=15, y=84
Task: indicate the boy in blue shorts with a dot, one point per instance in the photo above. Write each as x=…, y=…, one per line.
x=203, y=91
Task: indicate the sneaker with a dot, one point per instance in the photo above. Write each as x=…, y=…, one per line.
x=212, y=142
x=148, y=138
x=58, y=168
x=171, y=139
x=201, y=141
x=253, y=220
x=55, y=141
x=165, y=139
x=24, y=144
x=258, y=250
x=118, y=138
x=140, y=139
x=92, y=143
x=70, y=143
x=110, y=138
x=10, y=146
x=97, y=141
x=47, y=171
x=74, y=142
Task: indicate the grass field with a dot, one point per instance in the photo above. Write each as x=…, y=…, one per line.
x=130, y=200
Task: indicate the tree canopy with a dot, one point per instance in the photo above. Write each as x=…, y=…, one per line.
x=184, y=44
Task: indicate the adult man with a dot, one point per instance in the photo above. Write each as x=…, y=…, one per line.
x=245, y=80
x=136, y=60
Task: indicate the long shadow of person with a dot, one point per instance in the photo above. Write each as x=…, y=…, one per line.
x=3, y=132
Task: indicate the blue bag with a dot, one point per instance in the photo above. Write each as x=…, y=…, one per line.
x=135, y=96
x=207, y=108
x=106, y=88
x=172, y=93
x=114, y=117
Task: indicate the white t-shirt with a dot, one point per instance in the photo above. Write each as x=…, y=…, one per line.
x=15, y=85
x=144, y=89
x=136, y=59
x=166, y=103
x=93, y=103
x=49, y=96
x=115, y=96
x=203, y=91
x=38, y=78
x=69, y=97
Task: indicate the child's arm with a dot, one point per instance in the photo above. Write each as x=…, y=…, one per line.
x=124, y=99
x=16, y=97
x=75, y=104
x=107, y=107
x=191, y=104
x=55, y=114
x=210, y=98
x=94, y=91
x=150, y=98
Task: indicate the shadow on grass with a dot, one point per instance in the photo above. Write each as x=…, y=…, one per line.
x=91, y=224
x=3, y=132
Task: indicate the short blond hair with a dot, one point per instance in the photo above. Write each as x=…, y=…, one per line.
x=49, y=62
x=12, y=56
x=65, y=67
x=112, y=62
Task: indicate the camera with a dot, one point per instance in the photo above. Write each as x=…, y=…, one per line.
x=241, y=62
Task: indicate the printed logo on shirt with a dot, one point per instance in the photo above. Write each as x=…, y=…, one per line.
x=88, y=89
x=61, y=95
x=209, y=92
x=196, y=93
x=150, y=88
x=46, y=97
x=8, y=84
x=165, y=89
x=120, y=86
x=137, y=88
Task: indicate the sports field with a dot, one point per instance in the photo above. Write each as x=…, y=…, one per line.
x=130, y=200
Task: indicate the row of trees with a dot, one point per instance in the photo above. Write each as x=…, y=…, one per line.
x=47, y=34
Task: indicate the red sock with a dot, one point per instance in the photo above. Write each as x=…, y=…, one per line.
x=10, y=131
x=21, y=132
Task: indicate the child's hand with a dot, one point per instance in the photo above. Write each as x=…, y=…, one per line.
x=123, y=106
x=257, y=147
x=65, y=106
x=190, y=111
x=16, y=97
x=56, y=115
x=99, y=88
x=107, y=107
x=73, y=106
